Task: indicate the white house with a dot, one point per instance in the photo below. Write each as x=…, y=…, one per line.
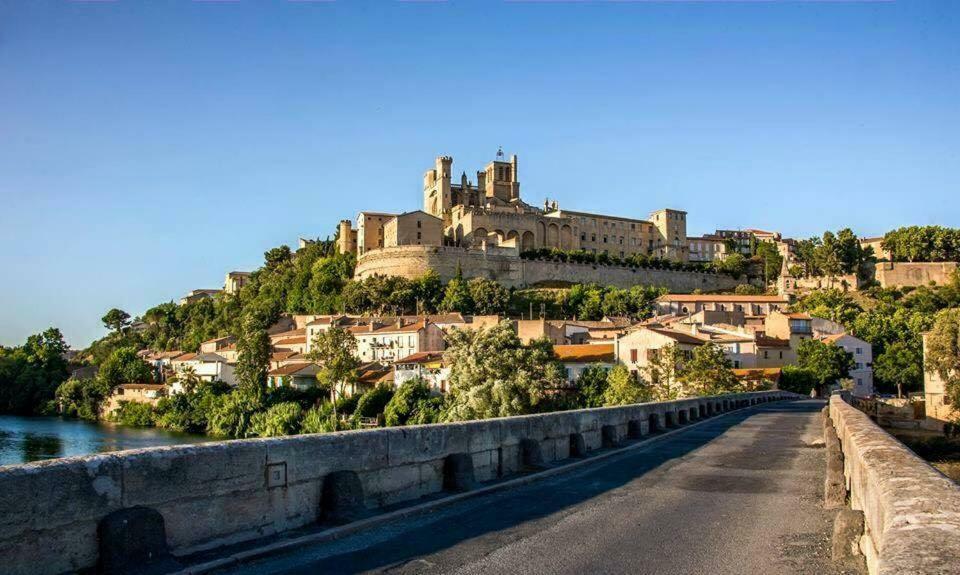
x=862, y=353
x=208, y=367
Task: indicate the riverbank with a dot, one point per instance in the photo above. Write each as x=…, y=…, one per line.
x=26, y=439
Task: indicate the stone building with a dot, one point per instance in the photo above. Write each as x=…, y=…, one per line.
x=491, y=212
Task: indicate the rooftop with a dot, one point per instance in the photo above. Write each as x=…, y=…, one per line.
x=585, y=353
x=732, y=298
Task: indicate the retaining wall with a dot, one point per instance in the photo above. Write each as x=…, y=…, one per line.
x=512, y=271
x=913, y=274
x=218, y=493
x=911, y=511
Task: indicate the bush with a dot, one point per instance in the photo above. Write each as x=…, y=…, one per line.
x=372, y=403
x=405, y=403
x=231, y=414
x=133, y=413
x=281, y=419
x=82, y=397
x=320, y=419
x=797, y=379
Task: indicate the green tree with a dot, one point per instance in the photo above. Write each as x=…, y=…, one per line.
x=943, y=352
x=232, y=415
x=770, y=259
x=493, y=375
x=900, y=365
x=707, y=372
x=797, y=379
x=623, y=388
x=82, y=397
x=335, y=350
x=116, y=320
x=253, y=354
x=829, y=363
x=124, y=366
x=488, y=296
x=404, y=404
x=734, y=264
x=592, y=386
x=456, y=297
x=280, y=419
x=833, y=304
x=373, y=402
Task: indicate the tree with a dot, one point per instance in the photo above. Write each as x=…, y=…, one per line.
x=663, y=369
x=900, y=365
x=592, y=386
x=116, y=320
x=623, y=388
x=734, y=264
x=373, y=402
x=943, y=352
x=833, y=304
x=488, y=296
x=232, y=415
x=829, y=363
x=707, y=372
x=253, y=354
x=124, y=366
x=280, y=419
x=770, y=259
x=82, y=397
x=797, y=379
x=493, y=375
x=276, y=257
x=335, y=350
x=404, y=404
x=456, y=297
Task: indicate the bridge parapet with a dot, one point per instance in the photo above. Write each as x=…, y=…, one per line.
x=911, y=511
x=224, y=492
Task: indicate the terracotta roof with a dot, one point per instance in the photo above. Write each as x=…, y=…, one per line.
x=724, y=298
x=290, y=333
x=216, y=339
x=422, y=357
x=758, y=373
x=291, y=340
x=372, y=373
x=147, y=386
x=185, y=357
x=766, y=341
x=282, y=355
x=681, y=336
x=585, y=353
x=291, y=368
x=391, y=328
x=798, y=315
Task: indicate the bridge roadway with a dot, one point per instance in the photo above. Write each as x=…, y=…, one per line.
x=739, y=493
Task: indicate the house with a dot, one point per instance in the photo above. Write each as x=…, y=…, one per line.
x=161, y=362
x=428, y=366
x=235, y=281
x=208, y=367
x=199, y=294
x=292, y=340
x=576, y=358
x=759, y=377
x=862, y=354
x=370, y=375
x=706, y=248
x=300, y=375
x=216, y=344
x=750, y=305
x=149, y=393
x=531, y=329
x=395, y=341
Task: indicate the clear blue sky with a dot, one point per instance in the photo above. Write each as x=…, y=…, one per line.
x=148, y=148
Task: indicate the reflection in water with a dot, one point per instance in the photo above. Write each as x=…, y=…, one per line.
x=36, y=447
x=25, y=439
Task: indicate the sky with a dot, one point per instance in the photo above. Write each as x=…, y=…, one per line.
x=148, y=148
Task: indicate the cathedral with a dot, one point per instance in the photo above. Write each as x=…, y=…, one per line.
x=491, y=214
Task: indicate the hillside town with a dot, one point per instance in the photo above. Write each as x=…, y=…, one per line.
x=756, y=330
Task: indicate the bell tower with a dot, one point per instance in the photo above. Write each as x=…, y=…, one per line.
x=500, y=178
x=436, y=187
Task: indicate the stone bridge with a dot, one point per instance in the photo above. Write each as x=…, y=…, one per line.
x=728, y=484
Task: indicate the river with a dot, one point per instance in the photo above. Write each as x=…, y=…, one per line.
x=25, y=439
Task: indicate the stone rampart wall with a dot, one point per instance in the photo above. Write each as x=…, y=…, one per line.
x=913, y=274
x=414, y=261
x=911, y=511
x=219, y=493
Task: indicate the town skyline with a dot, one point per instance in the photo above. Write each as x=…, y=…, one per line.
x=159, y=183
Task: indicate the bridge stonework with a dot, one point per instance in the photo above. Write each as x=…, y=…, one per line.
x=911, y=512
x=225, y=492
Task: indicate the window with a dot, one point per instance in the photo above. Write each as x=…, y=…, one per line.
x=593, y=237
x=583, y=237
x=419, y=224
x=781, y=355
x=418, y=235
x=859, y=351
x=766, y=354
x=736, y=364
x=633, y=355
x=604, y=239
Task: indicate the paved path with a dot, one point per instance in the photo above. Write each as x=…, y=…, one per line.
x=737, y=494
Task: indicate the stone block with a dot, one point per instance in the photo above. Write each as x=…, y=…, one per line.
x=847, y=530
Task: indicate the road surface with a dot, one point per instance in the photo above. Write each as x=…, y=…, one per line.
x=737, y=494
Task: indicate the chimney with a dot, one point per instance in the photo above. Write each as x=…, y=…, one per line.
x=372, y=325
x=399, y=322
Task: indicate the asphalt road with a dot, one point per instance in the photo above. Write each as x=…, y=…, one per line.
x=737, y=494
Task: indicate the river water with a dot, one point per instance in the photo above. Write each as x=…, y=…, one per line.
x=25, y=439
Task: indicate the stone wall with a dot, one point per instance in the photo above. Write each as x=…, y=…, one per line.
x=218, y=493
x=911, y=511
x=913, y=274
x=414, y=261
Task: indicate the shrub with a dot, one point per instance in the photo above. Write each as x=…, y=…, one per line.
x=372, y=403
x=404, y=404
x=134, y=413
x=281, y=419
